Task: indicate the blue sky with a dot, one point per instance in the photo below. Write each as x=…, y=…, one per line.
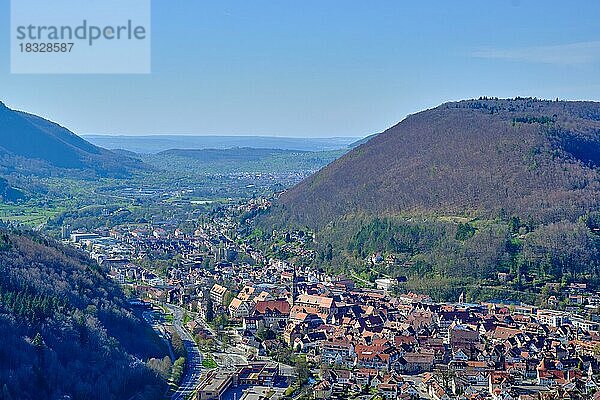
x=321, y=68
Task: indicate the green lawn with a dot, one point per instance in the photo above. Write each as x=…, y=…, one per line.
x=29, y=213
x=209, y=363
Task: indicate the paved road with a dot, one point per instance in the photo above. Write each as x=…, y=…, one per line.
x=193, y=362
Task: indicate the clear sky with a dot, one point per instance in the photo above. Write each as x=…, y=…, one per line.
x=321, y=68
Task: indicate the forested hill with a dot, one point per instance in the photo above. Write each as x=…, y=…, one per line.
x=32, y=145
x=66, y=330
x=528, y=157
x=453, y=195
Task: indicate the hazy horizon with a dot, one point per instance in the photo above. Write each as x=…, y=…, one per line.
x=136, y=135
x=152, y=144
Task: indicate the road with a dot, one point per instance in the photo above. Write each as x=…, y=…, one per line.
x=193, y=361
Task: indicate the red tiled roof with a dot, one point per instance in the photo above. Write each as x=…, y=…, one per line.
x=281, y=306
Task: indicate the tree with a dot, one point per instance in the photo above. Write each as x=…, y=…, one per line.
x=329, y=252
x=161, y=366
x=210, y=312
x=514, y=223
x=228, y=298
x=265, y=334
x=464, y=232
x=302, y=370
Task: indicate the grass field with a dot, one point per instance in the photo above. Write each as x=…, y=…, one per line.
x=28, y=214
x=209, y=363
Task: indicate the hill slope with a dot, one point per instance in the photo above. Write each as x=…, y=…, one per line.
x=453, y=195
x=530, y=158
x=66, y=330
x=29, y=143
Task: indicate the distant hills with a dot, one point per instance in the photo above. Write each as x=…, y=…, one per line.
x=460, y=192
x=31, y=144
x=361, y=141
x=241, y=160
x=152, y=144
x=242, y=154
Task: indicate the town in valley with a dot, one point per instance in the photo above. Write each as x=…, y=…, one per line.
x=255, y=326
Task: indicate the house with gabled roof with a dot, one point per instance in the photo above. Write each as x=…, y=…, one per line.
x=338, y=351
x=246, y=293
x=313, y=304
x=273, y=313
x=239, y=309
x=415, y=363
x=379, y=357
x=217, y=294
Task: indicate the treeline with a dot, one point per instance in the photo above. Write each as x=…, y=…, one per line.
x=438, y=255
x=67, y=331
